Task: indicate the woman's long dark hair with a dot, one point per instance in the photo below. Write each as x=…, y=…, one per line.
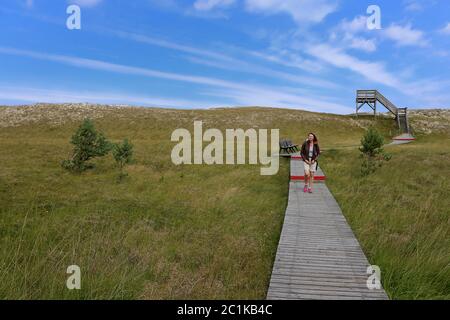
x=316, y=141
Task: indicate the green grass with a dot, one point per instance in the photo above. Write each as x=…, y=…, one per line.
x=401, y=214
x=205, y=232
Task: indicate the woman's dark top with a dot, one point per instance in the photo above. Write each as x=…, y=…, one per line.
x=305, y=151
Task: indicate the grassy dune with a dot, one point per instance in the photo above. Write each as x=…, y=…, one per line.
x=207, y=232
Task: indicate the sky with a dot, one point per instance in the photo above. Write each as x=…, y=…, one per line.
x=301, y=54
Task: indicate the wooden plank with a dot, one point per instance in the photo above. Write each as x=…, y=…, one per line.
x=322, y=290
x=325, y=278
x=318, y=296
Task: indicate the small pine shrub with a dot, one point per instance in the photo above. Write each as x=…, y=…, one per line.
x=88, y=144
x=372, y=152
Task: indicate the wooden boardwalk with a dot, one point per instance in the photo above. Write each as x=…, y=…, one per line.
x=318, y=256
x=402, y=139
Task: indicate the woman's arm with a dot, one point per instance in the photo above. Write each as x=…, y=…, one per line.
x=303, y=152
x=317, y=153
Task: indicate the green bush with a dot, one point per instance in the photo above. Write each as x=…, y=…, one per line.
x=88, y=144
x=372, y=151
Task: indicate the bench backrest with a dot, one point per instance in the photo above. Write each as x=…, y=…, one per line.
x=283, y=143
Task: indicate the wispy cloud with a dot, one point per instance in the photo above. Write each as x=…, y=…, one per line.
x=426, y=90
x=278, y=96
x=373, y=71
x=446, y=29
x=301, y=11
x=348, y=35
x=86, y=3
x=206, y=5
x=405, y=35
x=283, y=99
x=116, y=68
x=355, y=34
x=412, y=5
x=284, y=58
x=170, y=45
x=23, y=94
x=286, y=67
x=357, y=25
x=240, y=66
x=223, y=61
x=368, y=45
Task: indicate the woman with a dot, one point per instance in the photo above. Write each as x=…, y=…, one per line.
x=310, y=152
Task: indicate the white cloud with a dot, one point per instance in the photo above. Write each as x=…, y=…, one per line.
x=86, y=3
x=405, y=35
x=373, y=71
x=412, y=5
x=363, y=44
x=347, y=35
x=446, y=29
x=302, y=11
x=206, y=5
x=358, y=24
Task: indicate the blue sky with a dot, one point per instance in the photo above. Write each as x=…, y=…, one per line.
x=305, y=54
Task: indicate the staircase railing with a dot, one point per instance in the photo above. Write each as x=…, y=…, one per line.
x=388, y=104
x=371, y=96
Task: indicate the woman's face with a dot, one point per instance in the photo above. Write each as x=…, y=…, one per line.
x=311, y=138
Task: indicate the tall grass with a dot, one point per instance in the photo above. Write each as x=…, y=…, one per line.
x=401, y=214
x=205, y=232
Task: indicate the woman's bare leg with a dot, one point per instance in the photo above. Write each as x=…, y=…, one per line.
x=311, y=179
x=306, y=178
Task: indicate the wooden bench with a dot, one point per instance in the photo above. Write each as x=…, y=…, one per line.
x=288, y=147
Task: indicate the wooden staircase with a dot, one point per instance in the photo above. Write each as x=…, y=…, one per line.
x=371, y=97
x=402, y=119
